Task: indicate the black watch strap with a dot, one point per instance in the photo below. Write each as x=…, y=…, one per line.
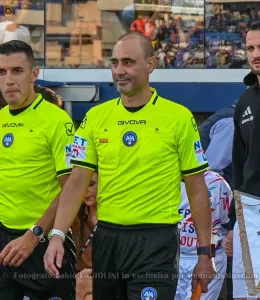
x=207, y=250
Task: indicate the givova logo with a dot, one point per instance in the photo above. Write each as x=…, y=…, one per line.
x=149, y=293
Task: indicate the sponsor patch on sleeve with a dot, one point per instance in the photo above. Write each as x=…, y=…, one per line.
x=201, y=158
x=68, y=151
x=79, y=148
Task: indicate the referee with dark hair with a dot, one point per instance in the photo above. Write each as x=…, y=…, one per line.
x=35, y=146
x=143, y=145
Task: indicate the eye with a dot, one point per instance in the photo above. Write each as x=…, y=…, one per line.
x=114, y=63
x=18, y=70
x=128, y=62
x=2, y=72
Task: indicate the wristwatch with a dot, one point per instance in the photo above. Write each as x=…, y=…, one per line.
x=37, y=231
x=207, y=250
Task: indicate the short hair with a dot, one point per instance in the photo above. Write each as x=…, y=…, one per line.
x=49, y=95
x=254, y=27
x=144, y=41
x=15, y=46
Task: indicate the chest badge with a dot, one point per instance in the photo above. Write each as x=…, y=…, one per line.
x=130, y=139
x=8, y=140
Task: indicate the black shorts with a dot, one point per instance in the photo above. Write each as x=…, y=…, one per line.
x=135, y=262
x=31, y=279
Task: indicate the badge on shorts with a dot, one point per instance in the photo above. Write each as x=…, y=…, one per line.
x=8, y=140
x=55, y=298
x=148, y=293
x=130, y=139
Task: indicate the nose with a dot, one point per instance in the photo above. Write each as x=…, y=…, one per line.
x=9, y=78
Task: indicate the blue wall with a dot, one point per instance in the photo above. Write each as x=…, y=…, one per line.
x=198, y=97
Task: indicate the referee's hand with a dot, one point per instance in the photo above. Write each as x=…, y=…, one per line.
x=53, y=256
x=18, y=250
x=204, y=272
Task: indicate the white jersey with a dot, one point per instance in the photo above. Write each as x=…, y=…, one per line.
x=220, y=196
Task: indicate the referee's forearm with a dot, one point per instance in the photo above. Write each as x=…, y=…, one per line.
x=47, y=220
x=201, y=215
x=71, y=198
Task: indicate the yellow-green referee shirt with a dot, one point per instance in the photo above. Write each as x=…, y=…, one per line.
x=34, y=151
x=141, y=158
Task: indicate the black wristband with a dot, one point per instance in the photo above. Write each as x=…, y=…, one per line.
x=207, y=250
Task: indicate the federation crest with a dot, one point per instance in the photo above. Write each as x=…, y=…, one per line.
x=149, y=293
x=130, y=139
x=8, y=140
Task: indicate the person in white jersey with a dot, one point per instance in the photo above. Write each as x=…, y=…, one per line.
x=220, y=198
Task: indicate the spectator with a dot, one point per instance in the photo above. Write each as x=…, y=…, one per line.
x=246, y=174
x=220, y=198
x=217, y=139
x=12, y=17
x=162, y=29
x=82, y=229
x=225, y=33
x=49, y=95
x=83, y=226
x=10, y=31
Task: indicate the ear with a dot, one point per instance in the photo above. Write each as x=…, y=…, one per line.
x=35, y=74
x=152, y=61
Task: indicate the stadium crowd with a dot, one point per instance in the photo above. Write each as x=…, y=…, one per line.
x=188, y=42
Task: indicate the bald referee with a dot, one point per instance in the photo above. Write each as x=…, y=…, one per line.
x=143, y=145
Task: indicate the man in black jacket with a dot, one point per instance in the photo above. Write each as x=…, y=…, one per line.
x=246, y=150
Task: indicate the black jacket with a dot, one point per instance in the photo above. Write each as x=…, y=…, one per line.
x=246, y=145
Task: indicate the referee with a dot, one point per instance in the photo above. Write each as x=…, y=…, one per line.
x=143, y=145
x=35, y=135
